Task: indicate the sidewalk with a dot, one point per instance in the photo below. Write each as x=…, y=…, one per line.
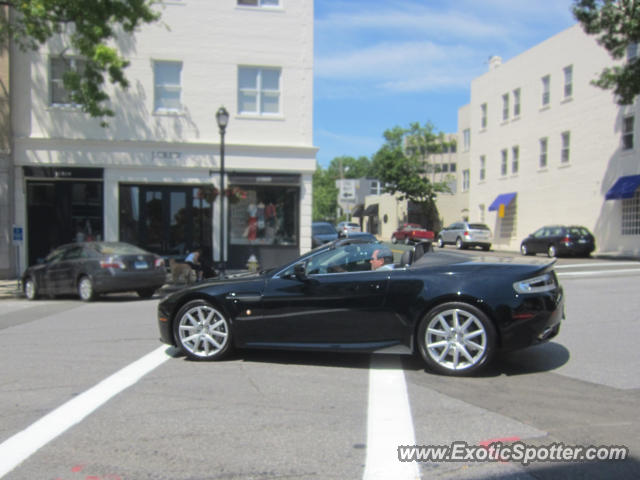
x=10, y=289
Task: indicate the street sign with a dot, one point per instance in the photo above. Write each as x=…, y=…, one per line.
x=347, y=190
x=18, y=234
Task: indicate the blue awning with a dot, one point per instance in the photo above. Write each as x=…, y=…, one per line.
x=625, y=187
x=502, y=199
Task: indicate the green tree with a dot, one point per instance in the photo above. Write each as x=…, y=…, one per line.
x=617, y=25
x=401, y=165
x=325, y=193
x=88, y=29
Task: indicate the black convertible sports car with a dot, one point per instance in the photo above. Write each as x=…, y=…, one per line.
x=455, y=309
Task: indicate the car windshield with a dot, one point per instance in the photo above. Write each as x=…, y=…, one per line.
x=478, y=226
x=118, y=249
x=323, y=230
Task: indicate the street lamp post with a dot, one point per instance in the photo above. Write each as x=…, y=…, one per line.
x=222, y=117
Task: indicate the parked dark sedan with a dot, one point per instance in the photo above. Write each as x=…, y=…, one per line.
x=322, y=232
x=557, y=240
x=456, y=310
x=91, y=268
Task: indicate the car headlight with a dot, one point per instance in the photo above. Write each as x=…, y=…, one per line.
x=542, y=283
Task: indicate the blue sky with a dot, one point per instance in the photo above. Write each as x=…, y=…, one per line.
x=381, y=63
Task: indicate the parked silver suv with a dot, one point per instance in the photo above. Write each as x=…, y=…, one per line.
x=465, y=235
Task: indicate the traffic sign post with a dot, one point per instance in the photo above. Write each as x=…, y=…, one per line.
x=18, y=238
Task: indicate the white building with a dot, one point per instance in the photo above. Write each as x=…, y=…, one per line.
x=147, y=179
x=548, y=147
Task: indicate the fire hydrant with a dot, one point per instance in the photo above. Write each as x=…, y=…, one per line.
x=252, y=263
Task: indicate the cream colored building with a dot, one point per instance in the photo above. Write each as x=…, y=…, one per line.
x=148, y=177
x=548, y=147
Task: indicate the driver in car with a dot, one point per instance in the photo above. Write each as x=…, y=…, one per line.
x=382, y=259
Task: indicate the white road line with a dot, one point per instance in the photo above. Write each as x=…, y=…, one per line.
x=601, y=264
x=389, y=422
x=22, y=445
x=634, y=271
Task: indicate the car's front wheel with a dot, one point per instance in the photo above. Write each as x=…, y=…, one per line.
x=440, y=242
x=407, y=240
x=394, y=240
x=30, y=289
x=86, y=291
x=524, y=250
x=456, y=339
x=202, y=332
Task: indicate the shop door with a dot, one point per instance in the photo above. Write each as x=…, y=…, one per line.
x=166, y=220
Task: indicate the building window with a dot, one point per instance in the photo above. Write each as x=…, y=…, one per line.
x=452, y=167
x=59, y=67
x=167, y=89
x=483, y=167
x=516, y=102
x=503, y=163
x=483, y=115
x=375, y=187
x=505, y=107
x=631, y=215
x=259, y=3
x=544, y=143
x=566, y=140
x=466, y=139
x=627, y=133
x=632, y=52
x=515, y=157
x=259, y=90
x=546, y=90
x=465, y=180
x=568, y=81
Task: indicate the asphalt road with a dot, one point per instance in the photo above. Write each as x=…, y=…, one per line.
x=265, y=415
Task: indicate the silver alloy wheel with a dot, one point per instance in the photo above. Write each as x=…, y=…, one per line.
x=203, y=331
x=523, y=249
x=394, y=240
x=456, y=339
x=552, y=251
x=459, y=244
x=85, y=289
x=30, y=289
x=440, y=242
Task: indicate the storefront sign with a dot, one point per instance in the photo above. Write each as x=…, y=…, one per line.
x=63, y=172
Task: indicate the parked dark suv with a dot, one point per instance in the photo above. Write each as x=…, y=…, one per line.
x=556, y=240
x=465, y=234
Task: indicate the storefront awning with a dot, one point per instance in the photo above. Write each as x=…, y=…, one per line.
x=502, y=199
x=625, y=187
x=371, y=210
x=357, y=210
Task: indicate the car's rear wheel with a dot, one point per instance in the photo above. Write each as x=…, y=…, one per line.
x=394, y=240
x=202, y=332
x=146, y=292
x=456, y=339
x=486, y=248
x=86, y=292
x=407, y=240
x=30, y=288
x=459, y=243
x=440, y=242
x=551, y=251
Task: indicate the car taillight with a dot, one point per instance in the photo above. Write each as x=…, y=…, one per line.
x=159, y=262
x=112, y=263
x=466, y=234
x=566, y=240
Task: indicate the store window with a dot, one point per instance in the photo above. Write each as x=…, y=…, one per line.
x=263, y=215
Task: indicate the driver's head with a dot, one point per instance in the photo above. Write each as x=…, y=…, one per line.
x=381, y=255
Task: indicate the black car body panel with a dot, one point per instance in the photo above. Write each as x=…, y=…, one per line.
x=375, y=310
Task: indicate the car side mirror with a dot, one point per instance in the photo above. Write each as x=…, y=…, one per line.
x=300, y=271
